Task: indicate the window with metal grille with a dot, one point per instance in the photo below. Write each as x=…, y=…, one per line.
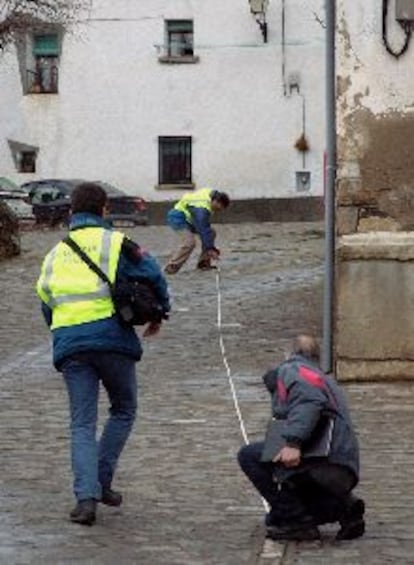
x=175, y=160
x=180, y=38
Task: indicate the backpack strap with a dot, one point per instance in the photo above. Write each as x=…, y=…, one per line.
x=86, y=259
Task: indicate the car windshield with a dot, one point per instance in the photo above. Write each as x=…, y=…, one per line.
x=48, y=193
x=7, y=185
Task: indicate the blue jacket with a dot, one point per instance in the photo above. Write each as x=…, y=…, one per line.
x=301, y=393
x=108, y=334
x=201, y=224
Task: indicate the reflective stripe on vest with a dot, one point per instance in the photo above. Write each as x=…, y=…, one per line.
x=198, y=199
x=63, y=271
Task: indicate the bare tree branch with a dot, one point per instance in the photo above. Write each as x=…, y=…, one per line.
x=19, y=16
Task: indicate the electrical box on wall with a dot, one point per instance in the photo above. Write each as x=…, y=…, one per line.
x=404, y=10
x=303, y=181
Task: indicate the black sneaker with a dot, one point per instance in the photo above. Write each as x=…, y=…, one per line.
x=293, y=533
x=84, y=512
x=352, y=522
x=111, y=497
x=302, y=529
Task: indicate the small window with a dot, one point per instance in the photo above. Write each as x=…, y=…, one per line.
x=43, y=77
x=27, y=162
x=175, y=161
x=180, y=35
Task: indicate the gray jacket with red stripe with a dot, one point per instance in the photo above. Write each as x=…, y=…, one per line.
x=301, y=393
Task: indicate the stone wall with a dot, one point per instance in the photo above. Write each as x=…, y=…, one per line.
x=374, y=199
x=9, y=233
x=375, y=306
x=377, y=195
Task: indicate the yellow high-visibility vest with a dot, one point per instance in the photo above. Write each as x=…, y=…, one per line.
x=198, y=199
x=70, y=288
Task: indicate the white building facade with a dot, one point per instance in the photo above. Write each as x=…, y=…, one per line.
x=158, y=96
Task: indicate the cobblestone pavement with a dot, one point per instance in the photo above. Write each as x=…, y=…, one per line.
x=185, y=500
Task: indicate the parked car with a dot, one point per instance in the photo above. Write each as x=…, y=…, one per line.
x=51, y=202
x=16, y=199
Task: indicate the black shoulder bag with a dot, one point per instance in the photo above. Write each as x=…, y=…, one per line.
x=135, y=301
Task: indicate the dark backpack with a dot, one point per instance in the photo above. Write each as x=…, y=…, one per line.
x=135, y=301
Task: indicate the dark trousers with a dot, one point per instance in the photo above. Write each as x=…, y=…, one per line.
x=318, y=490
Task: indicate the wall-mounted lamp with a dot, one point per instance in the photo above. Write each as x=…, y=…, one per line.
x=258, y=9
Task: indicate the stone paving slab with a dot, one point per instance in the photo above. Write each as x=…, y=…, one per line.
x=185, y=500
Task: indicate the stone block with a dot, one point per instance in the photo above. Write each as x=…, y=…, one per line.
x=349, y=370
x=346, y=220
x=399, y=204
x=349, y=191
x=378, y=224
x=398, y=246
x=375, y=298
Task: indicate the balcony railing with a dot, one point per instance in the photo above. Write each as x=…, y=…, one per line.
x=43, y=80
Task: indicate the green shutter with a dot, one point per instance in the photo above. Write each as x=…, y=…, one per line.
x=46, y=45
x=181, y=26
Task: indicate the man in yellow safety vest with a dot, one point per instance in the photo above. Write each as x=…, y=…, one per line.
x=190, y=216
x=92, y=345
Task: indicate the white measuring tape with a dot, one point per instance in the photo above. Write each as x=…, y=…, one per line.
x=228, y=371
x=226, y=363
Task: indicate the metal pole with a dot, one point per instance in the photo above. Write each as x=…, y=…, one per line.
x=283, y=40
x=328, y=299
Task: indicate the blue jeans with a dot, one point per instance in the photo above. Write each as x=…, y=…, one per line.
x=94, y=462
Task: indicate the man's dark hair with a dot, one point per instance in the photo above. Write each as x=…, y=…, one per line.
x=308, y=346
x=88, y=197
x=221, y=197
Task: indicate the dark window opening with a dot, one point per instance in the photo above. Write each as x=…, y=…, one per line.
x=27, y=162
x=180, y=38
x=175, y=160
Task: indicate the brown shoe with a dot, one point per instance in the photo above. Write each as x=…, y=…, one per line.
x=205, y=266
x=171, y=269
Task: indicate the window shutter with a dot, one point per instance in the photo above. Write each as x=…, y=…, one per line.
x=180, y=26
x=46, y=45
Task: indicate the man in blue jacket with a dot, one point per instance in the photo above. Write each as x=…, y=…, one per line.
x=191, y=216
x=91, y=345
x=306, y=492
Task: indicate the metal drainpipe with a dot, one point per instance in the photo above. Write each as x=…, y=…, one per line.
x=283, y=41
x=328, y=299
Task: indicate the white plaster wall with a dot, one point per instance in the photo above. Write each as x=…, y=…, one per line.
x=369, y=77
x=115, y=99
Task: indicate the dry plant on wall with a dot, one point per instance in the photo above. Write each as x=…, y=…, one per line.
x=19, y=16
x=302, y=144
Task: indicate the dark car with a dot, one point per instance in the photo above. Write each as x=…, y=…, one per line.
x=50, y=199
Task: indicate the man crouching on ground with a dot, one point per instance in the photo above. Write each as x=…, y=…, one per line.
x=305, y=492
